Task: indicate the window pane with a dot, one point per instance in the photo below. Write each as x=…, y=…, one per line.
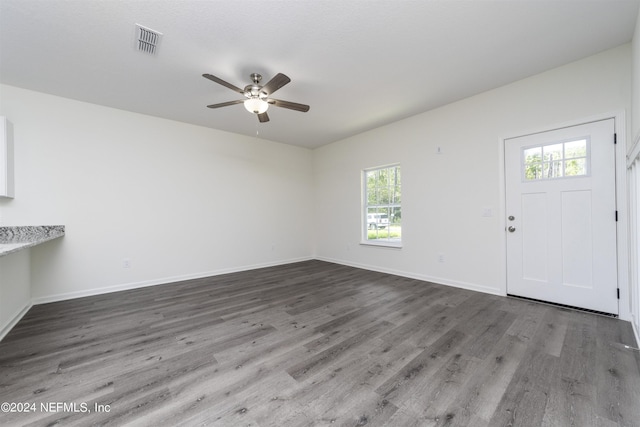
x=371, y=197
x=575, y=149
x=383, y=196
x=396, y=195
x=383, y=177
x=533, y=155
x=532, y=163
x=553, y=169
x=533, y=171
x=575, y=167
x=395, y=220
x=552, y=152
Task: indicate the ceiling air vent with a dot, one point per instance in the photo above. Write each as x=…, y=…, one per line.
x=148, y=39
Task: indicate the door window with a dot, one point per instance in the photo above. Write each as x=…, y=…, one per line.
x=556, y=160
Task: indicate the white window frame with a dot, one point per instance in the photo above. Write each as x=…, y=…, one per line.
x=396, y=243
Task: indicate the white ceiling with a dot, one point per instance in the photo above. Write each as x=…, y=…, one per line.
x=358, y=64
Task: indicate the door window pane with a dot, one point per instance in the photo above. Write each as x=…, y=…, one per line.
x=575, y=149
x=552, y=152
x=575, y=167
x=553, y=169
x=533, y=163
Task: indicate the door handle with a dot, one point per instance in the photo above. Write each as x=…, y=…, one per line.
x=511, y=229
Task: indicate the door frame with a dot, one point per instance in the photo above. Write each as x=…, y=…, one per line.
x=621, y=201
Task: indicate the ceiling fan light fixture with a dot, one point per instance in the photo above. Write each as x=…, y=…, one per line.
x=256, y=105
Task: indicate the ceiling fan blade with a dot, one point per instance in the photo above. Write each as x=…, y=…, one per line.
x=264, y=117
x=225, y=104
x=275, y=83
x=223, y=83
x=288, y=104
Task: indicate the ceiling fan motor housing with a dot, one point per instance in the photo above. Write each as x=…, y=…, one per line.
x=254, y=91
x=255, y=102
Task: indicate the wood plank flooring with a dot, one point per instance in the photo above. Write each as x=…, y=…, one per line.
x=316, y=344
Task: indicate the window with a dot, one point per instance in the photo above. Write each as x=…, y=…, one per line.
x=557, y=160
x=382, y=222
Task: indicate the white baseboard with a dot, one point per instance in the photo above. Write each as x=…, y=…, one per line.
x=14, y=320
x=436, y=280
x=159, y=281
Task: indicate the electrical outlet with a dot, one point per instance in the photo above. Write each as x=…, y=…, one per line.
x=126, y=263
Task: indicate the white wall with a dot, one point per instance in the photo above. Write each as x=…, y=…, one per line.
x=635, y=120
x=444, y=195
x=177, y=200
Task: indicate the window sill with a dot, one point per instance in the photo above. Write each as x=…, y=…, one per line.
x=383, y=244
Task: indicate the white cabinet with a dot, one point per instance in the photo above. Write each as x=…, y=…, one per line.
x=6, y=158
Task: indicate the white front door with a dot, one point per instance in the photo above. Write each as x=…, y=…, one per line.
x=561, y=216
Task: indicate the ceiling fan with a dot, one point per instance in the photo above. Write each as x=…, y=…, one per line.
x=257, y=97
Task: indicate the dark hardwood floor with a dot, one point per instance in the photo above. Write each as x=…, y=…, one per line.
x=314, y=344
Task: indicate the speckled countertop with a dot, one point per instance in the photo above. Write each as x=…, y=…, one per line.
x=13, y=239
